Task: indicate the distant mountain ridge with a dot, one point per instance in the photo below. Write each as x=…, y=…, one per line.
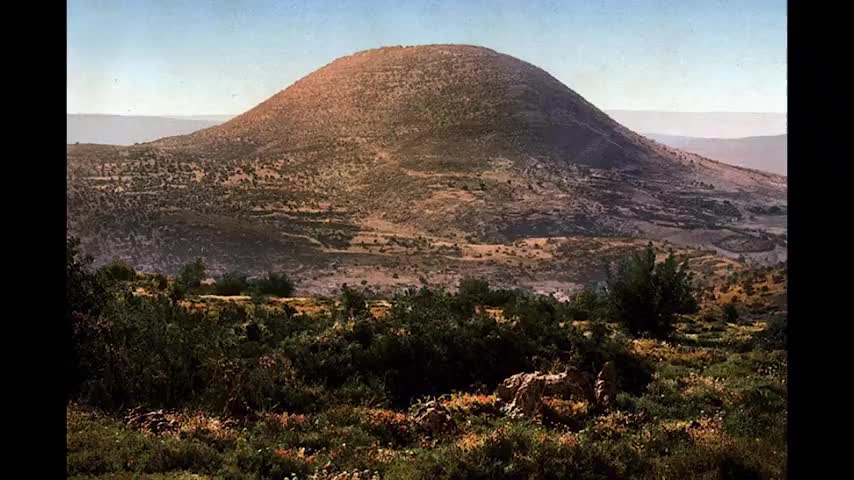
x=703, y=124
x=766, y=153
x=127, y=130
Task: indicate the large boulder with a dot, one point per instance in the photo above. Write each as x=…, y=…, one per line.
x=522, y=394
x=528, y=398
x=506, y=390
x=569, y=384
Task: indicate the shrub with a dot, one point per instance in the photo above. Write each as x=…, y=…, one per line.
x=277, y=284
x=473, y=289
x=191, y=274
x=473, y=292
x=730, y=312
x=646, y=296
x=86, y=295
x=775, y=335
x=118, y=270
x=231, y=283
x=353, y=301
x=589, y=304
x=160, y=282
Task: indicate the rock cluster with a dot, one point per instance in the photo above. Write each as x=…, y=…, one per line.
x=155, y=421
x=432, y=418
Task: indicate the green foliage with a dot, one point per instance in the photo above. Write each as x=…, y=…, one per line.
x=354, y=302
x=118, y=270
x=730, y=312
x=346, y=381
x=522, y=451
x=473, y=292
x=160, y=282
x=428, y=344
x=775, y=336
x=191, y=274
x=86, y=295
x=231, y=283
x=274, y=283
x=101, y=446
x=589, y=304
x=646, y=296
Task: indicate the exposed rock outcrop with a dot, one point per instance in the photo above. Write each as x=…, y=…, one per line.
x=433, y=418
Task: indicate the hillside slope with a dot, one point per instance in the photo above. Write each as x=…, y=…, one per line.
x=445, y=144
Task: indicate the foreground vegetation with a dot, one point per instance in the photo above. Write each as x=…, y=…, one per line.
x=259, y=389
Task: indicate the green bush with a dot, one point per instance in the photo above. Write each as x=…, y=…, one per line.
x=231, y=283
x=775, y=335
x=521, y=451
x=589, y=304
x=277, y=284
x=730, y=312
x=354, y=302
x=118, y=270
x=473, y=292
x=426, y=344
x=191, y=274
x=646, y=296
x=160, y=282
x=86, y=296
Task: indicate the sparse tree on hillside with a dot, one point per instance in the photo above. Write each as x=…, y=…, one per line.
x=118, y=270
x=354, y=303
x=191, y=274
x=730, y=312
x=645, y=296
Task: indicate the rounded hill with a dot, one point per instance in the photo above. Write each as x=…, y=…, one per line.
x=448, y=103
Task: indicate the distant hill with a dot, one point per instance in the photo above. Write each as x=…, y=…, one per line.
x=702, y=124
x=426, y=150
x=768, y=153
x=127, y=130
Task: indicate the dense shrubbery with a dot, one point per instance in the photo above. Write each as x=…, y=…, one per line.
x=191, y=275
x=477, y=292
x=118, y=270
x=231, y=283
x=85, y=297
x=277, y=284
x=332, y=388
x=646, y=296
x=354, y=302
x=427, y=344
x=154, y=351
x=589, y=304
x=775, y=335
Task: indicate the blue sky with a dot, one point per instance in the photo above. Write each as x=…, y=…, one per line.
x=179, y=57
